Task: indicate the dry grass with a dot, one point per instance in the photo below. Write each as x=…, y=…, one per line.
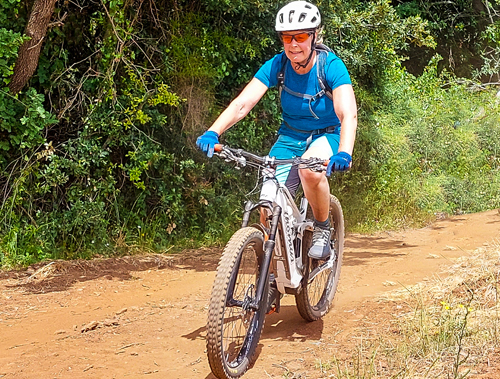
x=446, y=327
x=48, y=271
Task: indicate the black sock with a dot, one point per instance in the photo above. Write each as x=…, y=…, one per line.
x=322, y=224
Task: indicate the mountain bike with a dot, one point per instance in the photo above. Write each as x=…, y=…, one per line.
x=266, y=259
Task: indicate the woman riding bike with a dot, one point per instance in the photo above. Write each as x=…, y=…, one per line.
x=314, y=124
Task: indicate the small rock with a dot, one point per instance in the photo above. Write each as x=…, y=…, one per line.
x=90, y=326
x=109, y=322
x=121, y=311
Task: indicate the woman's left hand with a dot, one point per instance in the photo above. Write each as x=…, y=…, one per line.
x=339, y=162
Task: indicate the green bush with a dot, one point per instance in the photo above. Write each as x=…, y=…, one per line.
x=98, y=152
x=429, y=149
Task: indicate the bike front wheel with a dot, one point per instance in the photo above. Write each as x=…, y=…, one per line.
x=316, y=296
x=233, y=328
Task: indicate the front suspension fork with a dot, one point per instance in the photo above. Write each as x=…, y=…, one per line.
x=269, y=244
x=266, y=262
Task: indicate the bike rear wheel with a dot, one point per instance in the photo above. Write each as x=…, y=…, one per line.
x=316, y=296
x=233, y=329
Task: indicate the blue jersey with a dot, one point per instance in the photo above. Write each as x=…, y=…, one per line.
x=297, y=110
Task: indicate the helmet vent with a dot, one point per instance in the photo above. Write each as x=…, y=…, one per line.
x=290, y=16
x=302, y=17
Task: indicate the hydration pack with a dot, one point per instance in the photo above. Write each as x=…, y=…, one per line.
x=322, y=52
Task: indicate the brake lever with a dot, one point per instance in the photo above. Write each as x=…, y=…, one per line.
x=229, y=156
x=314, y=164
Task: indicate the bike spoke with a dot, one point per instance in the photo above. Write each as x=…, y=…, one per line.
x=317, y=287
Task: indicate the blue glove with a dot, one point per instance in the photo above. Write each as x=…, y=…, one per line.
x=207, y=141
x=338, y=162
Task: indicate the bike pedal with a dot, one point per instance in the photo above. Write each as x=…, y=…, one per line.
x=274, y=299
x=274, y=307
x=272, y=310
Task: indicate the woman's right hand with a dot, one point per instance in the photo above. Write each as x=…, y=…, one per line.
x=207, y=141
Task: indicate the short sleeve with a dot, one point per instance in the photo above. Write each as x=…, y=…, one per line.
x=336, y=72
x=268, y=73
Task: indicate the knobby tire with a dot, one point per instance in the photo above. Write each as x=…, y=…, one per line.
x=316, y=297
x=233, y=332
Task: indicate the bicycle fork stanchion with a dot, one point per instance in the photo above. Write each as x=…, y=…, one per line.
x=266, y=263
x=249, y=206
x=230, y=301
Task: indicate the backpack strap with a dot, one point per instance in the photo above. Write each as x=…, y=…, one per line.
x=325, y=89
x=281, y=74
x=320, y=65
x=322, y=51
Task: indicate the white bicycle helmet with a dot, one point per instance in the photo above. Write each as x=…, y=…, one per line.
x=297, y=15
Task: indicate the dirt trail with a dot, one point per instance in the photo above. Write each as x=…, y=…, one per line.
x=144, y=317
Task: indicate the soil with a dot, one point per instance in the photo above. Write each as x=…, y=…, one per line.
x=144, y=316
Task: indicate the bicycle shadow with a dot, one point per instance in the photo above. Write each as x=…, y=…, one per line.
x=288, y=325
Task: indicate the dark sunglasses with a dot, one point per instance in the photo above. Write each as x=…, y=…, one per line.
x=301, y=37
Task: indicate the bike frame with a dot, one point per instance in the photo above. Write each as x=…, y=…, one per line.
x=283, y=245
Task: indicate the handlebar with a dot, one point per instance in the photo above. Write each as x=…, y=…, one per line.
x=241, y=156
